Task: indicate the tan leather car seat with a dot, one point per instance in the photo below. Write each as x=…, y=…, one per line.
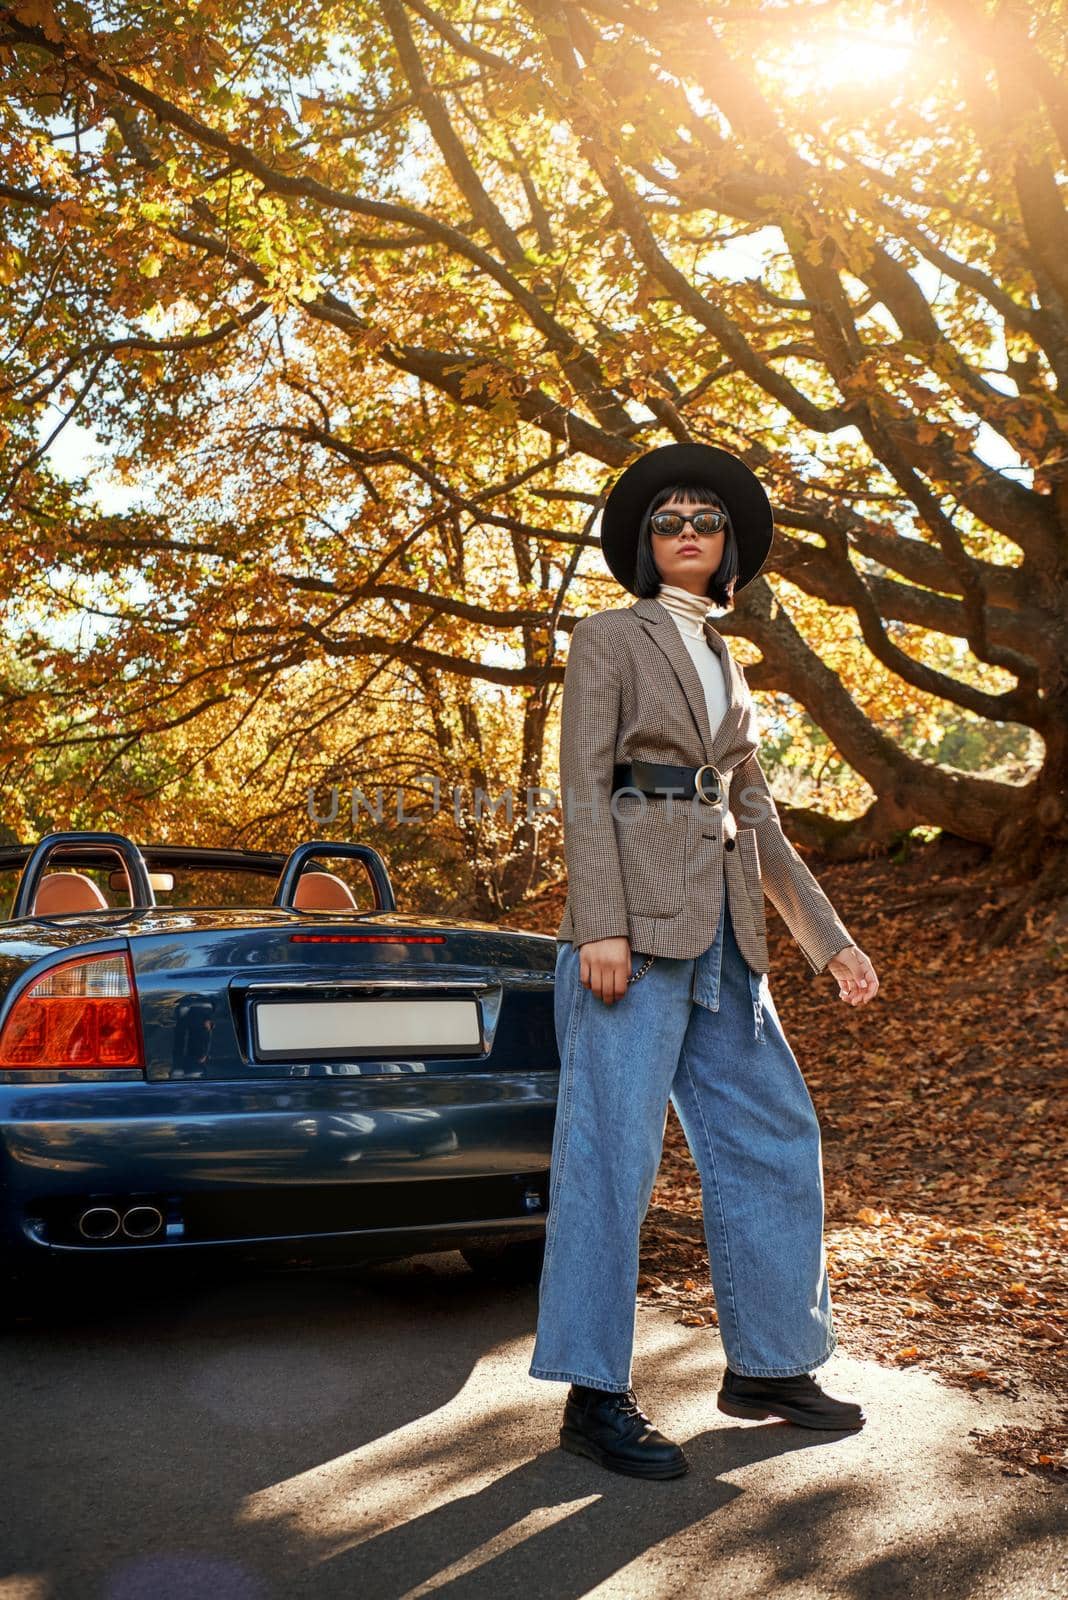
x=323, y=891
x=67, y=891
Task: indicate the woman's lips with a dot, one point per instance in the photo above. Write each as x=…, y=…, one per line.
x=688, y=550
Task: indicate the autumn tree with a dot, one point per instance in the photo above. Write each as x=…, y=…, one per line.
x=376, y=298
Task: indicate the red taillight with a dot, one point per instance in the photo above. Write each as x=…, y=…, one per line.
x=78, y=1015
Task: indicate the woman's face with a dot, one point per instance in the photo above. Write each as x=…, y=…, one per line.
x=688, y=559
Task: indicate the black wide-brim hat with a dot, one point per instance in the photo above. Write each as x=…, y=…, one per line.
x=707, y=466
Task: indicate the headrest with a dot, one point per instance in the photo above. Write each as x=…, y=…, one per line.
x=67, y=891
x=323, y=891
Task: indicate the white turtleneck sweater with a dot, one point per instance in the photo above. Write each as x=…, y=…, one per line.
x=689, y=611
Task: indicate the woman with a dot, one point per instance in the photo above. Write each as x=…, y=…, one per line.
x=672, y=839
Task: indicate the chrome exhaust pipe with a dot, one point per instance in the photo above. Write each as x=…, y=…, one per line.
x=99, y=1222
x=142, y=1222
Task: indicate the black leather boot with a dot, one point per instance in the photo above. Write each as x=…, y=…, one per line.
x=796, y=1399
x=612, y=1430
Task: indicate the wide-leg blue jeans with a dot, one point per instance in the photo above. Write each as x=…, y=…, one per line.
x=705, y=1034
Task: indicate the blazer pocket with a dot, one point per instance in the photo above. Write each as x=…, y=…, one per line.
x=654, y=856
x=749, y=855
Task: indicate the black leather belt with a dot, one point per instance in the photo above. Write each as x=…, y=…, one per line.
x=657, y=779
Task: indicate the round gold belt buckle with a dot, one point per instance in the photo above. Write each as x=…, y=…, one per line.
x=699, y=789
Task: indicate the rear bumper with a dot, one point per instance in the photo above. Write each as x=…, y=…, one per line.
x=390, y=1165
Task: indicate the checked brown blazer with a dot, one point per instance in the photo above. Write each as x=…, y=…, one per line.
x=652, y=870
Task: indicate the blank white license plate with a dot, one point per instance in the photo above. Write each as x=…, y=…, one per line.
x=299, y=1028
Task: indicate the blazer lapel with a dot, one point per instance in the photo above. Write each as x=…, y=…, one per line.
x=737, y=735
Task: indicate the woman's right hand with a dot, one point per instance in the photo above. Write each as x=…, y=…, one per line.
x=604, y=967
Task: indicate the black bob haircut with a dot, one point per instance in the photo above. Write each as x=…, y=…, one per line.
x=647, y=579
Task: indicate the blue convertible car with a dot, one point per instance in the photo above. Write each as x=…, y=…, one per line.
x=217, y=1050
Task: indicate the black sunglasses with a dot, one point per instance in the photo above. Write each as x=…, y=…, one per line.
x=670, y=523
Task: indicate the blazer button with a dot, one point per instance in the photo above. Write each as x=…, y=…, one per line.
x=728, y=844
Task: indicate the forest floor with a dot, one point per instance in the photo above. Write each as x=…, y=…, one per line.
x=941, y=1105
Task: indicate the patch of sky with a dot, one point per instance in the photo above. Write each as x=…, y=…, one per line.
x=342, y=76
x=990, y=446
x=746, y=256
x=77, y=453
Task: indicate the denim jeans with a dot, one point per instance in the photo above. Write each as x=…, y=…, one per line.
x=705, y=1034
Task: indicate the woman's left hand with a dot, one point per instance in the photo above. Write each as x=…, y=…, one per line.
x=857, y=982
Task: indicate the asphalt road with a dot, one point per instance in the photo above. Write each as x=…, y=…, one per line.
x=375, y=1434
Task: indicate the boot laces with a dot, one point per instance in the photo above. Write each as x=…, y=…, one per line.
x=628, y=1404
